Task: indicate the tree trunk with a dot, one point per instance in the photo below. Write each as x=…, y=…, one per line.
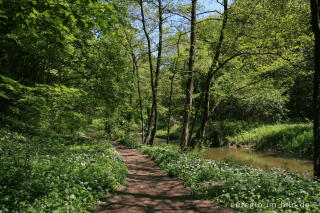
x=171, y=86
x=139, y=95
x=205, y=116
x=155, y=91
x=190, y=142
x=131, y=93
x=315, y=20
x=152, y=114
x=201, y=131
x=189, y=89
x=169, y=110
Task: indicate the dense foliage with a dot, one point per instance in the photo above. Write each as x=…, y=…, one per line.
x=63, y=71
x=258, y=65
x=62, y=63
x=70, y=61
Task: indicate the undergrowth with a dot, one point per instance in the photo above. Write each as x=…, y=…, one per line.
x=55, y=173
x=174, y=132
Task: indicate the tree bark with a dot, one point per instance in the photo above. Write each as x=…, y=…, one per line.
x=189, y=88
x=315, y=20
x=131, y=93
x=214, y=66
x=155, y=90
x=204, y=120
x=152, y=113
x=171, y=86
x=139, y=95
x=190, y=142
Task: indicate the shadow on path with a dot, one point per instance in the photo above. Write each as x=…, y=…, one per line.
x=149, y=189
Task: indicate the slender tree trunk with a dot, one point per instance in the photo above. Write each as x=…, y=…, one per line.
x=155, y=91
x=189, y=89
x=205, y=116
x=152, y=113
x=190, y=142
x=149, y=112
x=139, y=95
x=315, y=11
x=169, y=110
x=131, y=93
x=201, y=131
x=171, y=86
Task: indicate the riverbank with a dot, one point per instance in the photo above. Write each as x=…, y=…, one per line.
x=237, y=186
x=293, y=138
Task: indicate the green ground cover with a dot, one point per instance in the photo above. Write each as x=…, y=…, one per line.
x=55, y=173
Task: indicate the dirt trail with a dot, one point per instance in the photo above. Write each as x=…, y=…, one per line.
x=149, y=189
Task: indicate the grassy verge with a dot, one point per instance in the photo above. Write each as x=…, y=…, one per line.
x=54, y=173
x=295, y=138
x=216, y=132
x=174, y=132
x=232, y=185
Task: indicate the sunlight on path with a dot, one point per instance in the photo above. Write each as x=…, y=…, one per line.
x=148, y=189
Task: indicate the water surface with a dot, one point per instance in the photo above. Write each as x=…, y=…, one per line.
x=261, y=159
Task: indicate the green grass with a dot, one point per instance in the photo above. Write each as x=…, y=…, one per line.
x=282, y=137
x=56, y=174
x=174, y=132
x=215, y=134
x=237, y=186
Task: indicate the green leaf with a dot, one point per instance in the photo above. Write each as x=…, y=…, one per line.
x=3, y=95
x=32, y=16
x=3, y=16
x=35, y=11
x=10, y=82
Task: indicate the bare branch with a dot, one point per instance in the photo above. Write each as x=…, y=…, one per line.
x=219, y=2
x=177, y=14
x=212, y=11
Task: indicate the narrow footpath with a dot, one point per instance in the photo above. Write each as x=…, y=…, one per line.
x=149, y=189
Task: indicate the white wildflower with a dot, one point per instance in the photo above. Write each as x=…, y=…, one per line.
x=72, y=197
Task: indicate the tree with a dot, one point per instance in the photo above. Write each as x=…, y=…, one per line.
x=246, y=38
x=154, y=79
x=213, y=69
x=134, y=50
x=171, y=85
x=60, y=44
x=315, y=21
x=189, y=87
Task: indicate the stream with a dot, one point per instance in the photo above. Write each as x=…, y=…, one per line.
x=260, y=159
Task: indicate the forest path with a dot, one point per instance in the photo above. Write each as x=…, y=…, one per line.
x=149, y=189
